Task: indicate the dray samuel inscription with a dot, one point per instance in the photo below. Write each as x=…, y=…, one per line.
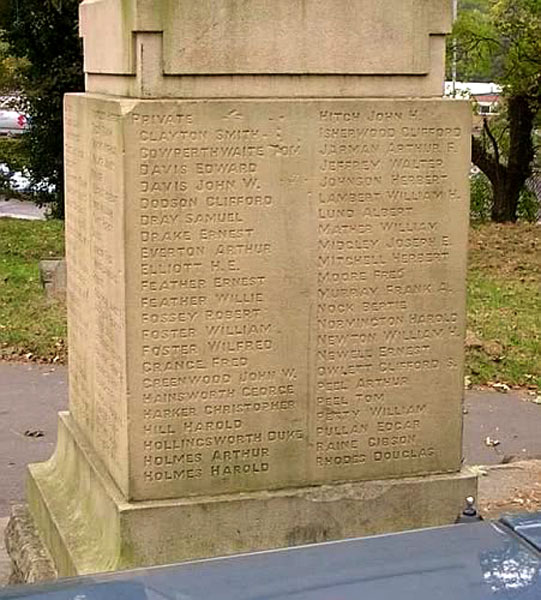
x=295, y=273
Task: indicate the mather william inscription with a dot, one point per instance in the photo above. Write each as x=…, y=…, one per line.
x=295, y=285
x=266, y=260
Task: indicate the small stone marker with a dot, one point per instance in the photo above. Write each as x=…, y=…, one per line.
x=266, y=223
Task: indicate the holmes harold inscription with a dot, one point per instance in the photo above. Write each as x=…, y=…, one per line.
x=295, y=282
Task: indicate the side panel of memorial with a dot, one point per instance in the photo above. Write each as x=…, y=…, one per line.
x=96, y=277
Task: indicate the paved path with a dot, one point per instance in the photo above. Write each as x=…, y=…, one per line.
x=17, y=209
x=511, y=419
x=31, y=395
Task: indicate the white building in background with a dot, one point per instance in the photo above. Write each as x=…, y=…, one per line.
x=485, y=95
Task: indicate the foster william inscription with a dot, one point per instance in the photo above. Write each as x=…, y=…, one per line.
x=295, y=282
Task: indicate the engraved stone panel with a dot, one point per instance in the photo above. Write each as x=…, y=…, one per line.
x=294, y=288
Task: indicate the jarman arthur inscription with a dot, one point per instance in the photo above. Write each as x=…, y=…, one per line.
x=295, y=273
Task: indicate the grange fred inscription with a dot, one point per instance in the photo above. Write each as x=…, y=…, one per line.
x=295, y=283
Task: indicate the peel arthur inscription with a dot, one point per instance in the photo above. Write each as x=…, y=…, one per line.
x=295, y=275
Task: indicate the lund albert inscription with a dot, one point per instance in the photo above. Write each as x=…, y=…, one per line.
x=296, y=275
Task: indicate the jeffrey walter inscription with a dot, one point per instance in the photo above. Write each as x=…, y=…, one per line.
x=295, y=282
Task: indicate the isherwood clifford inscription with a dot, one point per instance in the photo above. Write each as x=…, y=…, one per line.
x=295, y=284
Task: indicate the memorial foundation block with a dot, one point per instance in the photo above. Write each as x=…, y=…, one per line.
x=266, y=282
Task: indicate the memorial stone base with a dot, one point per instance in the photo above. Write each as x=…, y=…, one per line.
x=89, y=527
x=266, y=302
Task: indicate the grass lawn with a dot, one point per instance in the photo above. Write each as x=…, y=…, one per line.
x=504, y=300
x=504, y=305
x=31, y=326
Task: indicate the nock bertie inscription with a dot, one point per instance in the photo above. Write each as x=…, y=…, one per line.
x=296, y=274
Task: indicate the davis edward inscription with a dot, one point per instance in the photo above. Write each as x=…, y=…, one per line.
x=295, y=291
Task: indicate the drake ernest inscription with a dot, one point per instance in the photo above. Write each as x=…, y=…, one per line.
x=297, y=281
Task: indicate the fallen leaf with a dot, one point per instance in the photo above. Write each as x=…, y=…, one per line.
x=34, y=433
x=500, y=387
x=491, y=442
x=494, y=349
x=478, y=470
x=472, y=341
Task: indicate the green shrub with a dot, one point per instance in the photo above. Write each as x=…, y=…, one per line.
x=481, y=198
x=529, y=208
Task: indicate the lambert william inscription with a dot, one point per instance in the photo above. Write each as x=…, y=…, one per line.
x=295, y=278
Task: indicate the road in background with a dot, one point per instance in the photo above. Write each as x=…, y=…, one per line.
x=17, y=209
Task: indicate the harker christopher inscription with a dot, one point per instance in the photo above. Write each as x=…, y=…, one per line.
x=295, y=285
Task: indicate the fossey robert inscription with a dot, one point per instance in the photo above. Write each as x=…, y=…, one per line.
x=296, y=275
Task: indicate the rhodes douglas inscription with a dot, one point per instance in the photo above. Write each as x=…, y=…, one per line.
x=295, y=273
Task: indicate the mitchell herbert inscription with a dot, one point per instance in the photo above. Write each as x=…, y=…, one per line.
x=297, y=292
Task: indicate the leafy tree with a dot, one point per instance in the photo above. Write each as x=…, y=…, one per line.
x=45, y=34
x=503, y=38
x=10, y=68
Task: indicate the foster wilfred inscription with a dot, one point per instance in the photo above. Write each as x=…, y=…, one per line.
x=294, y=279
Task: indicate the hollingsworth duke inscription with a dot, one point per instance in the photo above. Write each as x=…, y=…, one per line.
x=295, y=283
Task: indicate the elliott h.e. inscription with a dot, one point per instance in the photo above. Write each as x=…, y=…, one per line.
x=295, y=284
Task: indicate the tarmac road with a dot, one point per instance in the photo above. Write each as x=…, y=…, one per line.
x=31, y=395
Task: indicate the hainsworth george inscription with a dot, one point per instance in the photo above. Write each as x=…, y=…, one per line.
x=294, y=285
x=266, y=231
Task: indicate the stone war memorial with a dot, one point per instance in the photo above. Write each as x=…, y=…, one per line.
x=266, y=222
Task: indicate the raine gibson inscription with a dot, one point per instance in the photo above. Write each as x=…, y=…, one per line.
x=297, y=276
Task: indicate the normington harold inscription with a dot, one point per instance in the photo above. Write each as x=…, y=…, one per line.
x=293, y=277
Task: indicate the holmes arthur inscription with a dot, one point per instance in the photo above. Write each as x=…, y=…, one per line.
x=266, y=250
x=296, y=283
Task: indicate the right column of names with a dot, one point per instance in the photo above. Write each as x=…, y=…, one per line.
x=391, y=208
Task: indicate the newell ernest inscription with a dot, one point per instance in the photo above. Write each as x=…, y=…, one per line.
x=295, y=274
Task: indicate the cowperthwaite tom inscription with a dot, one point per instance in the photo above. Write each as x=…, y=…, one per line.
x=266, y=227
x=294, y=275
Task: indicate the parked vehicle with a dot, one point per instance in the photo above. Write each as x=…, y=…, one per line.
x=12, y=122
x=470, y=561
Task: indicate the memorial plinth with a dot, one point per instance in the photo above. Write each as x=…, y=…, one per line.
x=266, y=289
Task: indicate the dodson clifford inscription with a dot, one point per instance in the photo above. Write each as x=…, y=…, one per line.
x=295, y=291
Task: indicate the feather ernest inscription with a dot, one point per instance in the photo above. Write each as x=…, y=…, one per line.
x=266, y=280
x=296, y=275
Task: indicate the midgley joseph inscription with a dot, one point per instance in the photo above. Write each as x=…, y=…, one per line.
x=295, y=276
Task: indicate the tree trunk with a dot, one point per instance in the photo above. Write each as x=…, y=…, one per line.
x=508, y=179
x=504, y=201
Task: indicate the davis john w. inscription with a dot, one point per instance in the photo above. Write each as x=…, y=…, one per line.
x=290, y=297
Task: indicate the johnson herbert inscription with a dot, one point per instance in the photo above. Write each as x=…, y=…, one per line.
x=295, y=275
